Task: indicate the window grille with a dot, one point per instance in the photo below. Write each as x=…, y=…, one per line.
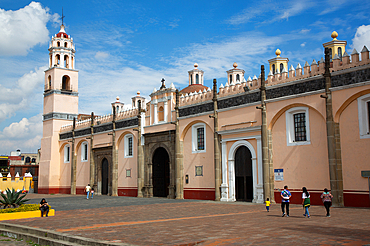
x=300, y=127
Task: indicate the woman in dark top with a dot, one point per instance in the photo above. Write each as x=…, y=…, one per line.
x=44, y=207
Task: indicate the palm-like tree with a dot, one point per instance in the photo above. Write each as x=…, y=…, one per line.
x=12, y=198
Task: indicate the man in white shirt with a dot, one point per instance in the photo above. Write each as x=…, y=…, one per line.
x=87, y=190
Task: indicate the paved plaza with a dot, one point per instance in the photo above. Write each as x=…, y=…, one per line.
x=159, y=221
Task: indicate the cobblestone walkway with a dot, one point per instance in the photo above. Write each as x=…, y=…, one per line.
x=168, y=222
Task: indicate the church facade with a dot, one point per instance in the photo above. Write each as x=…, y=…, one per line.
x=242, y=141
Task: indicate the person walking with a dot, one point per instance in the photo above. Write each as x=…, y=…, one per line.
x=268, y=204
x=285, y=195
x=306, y=202
x=44, y=207
x=87, y=190
x=92, y=192
x=326, y=197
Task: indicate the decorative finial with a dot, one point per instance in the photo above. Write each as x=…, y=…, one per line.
x=235, y=65
x=117, y=98
x=62, y=17
x=138, y=93
x=334, y=35
x=278, y=52
x=195, y=65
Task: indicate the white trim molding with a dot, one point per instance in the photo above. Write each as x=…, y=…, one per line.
x=194, y=137
x=363, y=116
x=84, y=152
x=228, y=191
x=126, y=145
x=67, y=154
x=290, y=136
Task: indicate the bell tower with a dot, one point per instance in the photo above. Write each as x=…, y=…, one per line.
x=60, y=107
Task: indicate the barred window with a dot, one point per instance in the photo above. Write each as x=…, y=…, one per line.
x=364, y=115
x=66, y=153
x=200, y=137
x=129, y=146
x=129, y=142
x=297, y=126
x=84, y=152
x=300, y=127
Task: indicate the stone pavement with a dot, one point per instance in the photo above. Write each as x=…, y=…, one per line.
x=159, y=221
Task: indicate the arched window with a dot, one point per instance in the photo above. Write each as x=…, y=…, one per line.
x=281, y=67
x=237, y=77
x=161, y=114
x=273, y=69
x=57, y=59
x=231, y=78
x=65, y=44
x=58, y=44
x=49, y=82
x=33, y=160
x=191, y=79
x=117, y=109
x=65, y=83
x=28, y=159
x=84, y=151
x=340, y=52
x=197, y=78
x=330, y=54
x=66, y=61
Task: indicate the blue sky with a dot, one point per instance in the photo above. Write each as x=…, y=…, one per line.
x=127, y=46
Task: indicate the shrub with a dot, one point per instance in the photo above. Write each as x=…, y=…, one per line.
x=22, y=208
x=12, y=199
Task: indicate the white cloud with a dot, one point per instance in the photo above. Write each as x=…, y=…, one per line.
x=101, y=55
x=22, y=29
x=271, y=11
x=25, y=135
x=18, y=97
x=362, y=37
x=303, y=44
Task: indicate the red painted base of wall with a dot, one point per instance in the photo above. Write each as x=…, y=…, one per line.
x=356, y=200
x=203, y=194
x=127, y=192
x=350, y=199
x=58, y=190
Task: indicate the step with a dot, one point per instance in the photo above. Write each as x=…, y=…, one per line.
x=48, y=237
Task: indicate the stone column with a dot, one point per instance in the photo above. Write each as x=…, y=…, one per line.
x=92, y=161
x=178, y=155
x=216, y=144
x=73, y=161
x=114, y=157
x=335, y=171
x=140, y=156
x=267, y=184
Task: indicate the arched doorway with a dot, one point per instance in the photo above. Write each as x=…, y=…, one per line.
x=243, y=174
x=104, y=177
x=161, y=173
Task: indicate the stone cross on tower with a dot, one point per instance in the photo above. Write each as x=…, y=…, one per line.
x=163, y=86
x=62, y=17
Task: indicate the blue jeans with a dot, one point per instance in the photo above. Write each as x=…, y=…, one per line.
x=88, y=193
x=306, y=211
